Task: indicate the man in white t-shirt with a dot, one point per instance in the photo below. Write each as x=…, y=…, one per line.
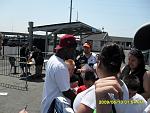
x=136, y=107
x=57, y=76
x=133, y=84
x=147, y=109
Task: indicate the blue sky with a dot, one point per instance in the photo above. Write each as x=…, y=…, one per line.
x=118, y=17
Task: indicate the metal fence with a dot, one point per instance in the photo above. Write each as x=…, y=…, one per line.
x=11, y=72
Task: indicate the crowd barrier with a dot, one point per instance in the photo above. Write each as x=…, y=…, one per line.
x=11, y=72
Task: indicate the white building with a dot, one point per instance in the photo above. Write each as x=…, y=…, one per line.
x=98, y=40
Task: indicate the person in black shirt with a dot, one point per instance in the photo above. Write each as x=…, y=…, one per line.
x=136, y=67
x=85, y=62
x=23, y=57
x=39, y=60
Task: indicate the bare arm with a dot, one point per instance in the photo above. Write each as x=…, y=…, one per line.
x=23, y=111
x=146, y=85
x=84, y=109
x=103, y=87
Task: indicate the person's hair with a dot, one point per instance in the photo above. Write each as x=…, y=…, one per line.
x=132, y=82
x=110, y=57
x=139, y=55
x=65, y=53
x=74, y=78
x=89, y=43
x=122, y=54
x=70, y=62
x=89, y=75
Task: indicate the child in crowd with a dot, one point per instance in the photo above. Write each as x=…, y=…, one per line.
x=73, y=78
x=88, y=80
x=71, y=66
x=133, y=83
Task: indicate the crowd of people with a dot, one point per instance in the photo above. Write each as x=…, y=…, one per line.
x=26, y=56
x=90, y=83
x=76, y=85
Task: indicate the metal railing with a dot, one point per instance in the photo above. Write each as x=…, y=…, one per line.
x=11, y=70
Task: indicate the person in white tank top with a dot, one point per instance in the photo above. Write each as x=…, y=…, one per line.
x=107, y=69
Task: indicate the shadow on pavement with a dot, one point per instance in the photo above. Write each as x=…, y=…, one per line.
x=33, y=78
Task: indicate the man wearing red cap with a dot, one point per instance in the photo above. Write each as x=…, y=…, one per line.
x=57, y=81
x=85, y=61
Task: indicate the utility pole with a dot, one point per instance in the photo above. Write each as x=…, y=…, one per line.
x=77, y=17
x=30, y=30
x=70, y=11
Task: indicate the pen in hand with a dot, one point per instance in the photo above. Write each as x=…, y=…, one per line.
x=25, y=107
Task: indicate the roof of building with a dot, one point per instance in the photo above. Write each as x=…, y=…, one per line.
x=99, y=36
x=105, y=37
x=122, y=39
x=76, y=28
x=19, y=34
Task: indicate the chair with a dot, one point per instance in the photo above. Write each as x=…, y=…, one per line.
x=12, y=61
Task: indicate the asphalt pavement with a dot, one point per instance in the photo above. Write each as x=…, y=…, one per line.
x=13, y=100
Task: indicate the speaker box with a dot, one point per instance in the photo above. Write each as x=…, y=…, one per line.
x=142, y=38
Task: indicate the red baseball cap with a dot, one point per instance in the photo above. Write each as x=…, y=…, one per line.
x=67, y=41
